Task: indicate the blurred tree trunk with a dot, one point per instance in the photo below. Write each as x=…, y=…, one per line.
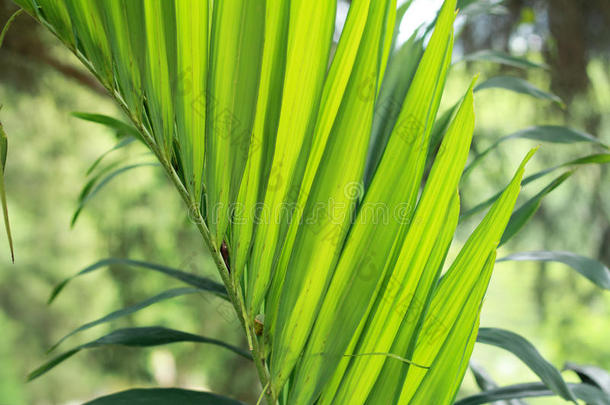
x=567, y=55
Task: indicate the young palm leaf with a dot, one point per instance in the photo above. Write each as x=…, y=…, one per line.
x=309, y=37
x=309, y=189
x=321, y=234
x=362, y=264
x=234, y=67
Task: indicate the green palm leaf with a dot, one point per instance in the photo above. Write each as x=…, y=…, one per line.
x=324, y=178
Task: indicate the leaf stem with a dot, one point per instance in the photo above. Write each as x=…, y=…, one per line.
x=196, y=217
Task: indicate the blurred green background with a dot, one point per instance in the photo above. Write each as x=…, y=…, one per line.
x=139, y=216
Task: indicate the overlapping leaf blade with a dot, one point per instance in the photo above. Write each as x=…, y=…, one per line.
x=339, y=141
x=310, y=30
x=88, y=26
x=463, y=286
x=585, y=392
x=390, y=380
x=262, y=142
x=407, y=283
x=368, y=246
x=236, y=47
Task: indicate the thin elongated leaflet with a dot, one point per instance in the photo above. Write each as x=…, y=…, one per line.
x=194, y=280
x=263, y=134
x=485, y=382
x=309, y=37
x=334, y=89
x=175, y=292
x=367, y=248
x=592, y=269
x=518, y=85
x=588, y=393
x=190, y=90
x=87, y=23
x=163, y=396
x=543, y=133
x=458, y=284
x=136, y=35
x=447, y=370
x=236, y=47
x=527, y=353
x=56, y=14
x=331, y=201
x=488, y=55
x=407, y=285
x=7, y=225
x=137, y=337
x=332, y=95
x=600, y=158
x=29, y=6
x=159, y=17
x=389, y=27
x=400, y=72
x=523, y=214
x=118, y=24
x=388, y=384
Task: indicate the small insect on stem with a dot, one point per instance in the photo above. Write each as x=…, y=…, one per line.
x=224, y=252
x=258, y=326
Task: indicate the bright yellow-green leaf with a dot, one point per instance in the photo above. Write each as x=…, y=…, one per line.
x=328, y=212
x=88, y=24
x=190, y=89
x=121, y=22
x=57, y=16
x=368, y=247
x=309, y=36
x=159, y=17
x=407, y=280
x=332, y=94
x=462, y=280
x=390, y=380
x=263, y=133
x=236, y=47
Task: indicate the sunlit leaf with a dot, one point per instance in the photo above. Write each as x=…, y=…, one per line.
x=591, y=159
x=7, y=225
x=122, y=128
x=121, y=144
